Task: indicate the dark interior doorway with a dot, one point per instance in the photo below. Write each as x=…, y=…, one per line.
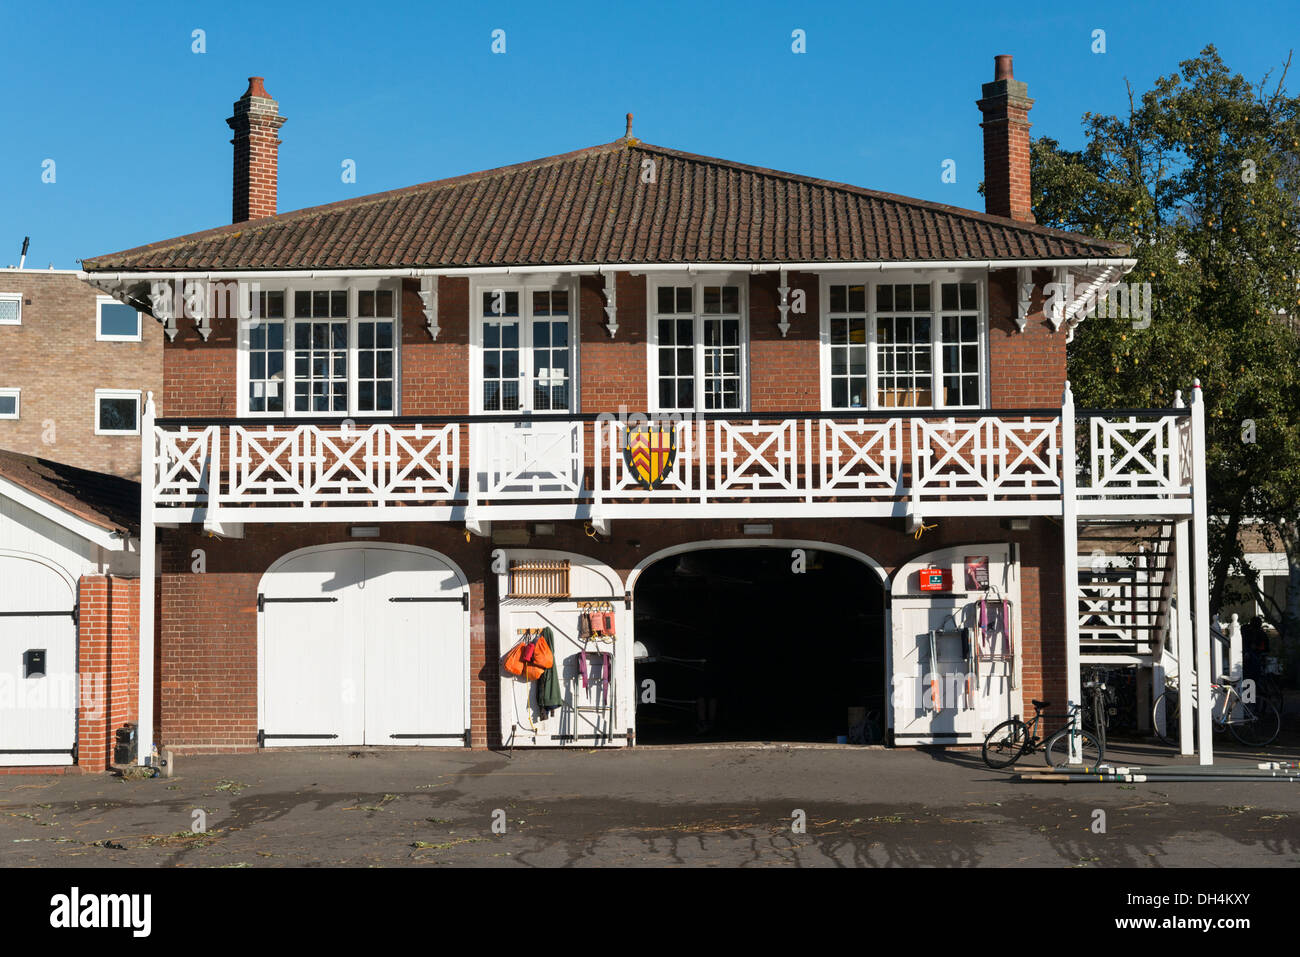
x=740, y=648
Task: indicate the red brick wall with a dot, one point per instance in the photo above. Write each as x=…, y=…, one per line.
x=785, y=374
x=57, y=362
x=1026, y=369
x=613, y=371
x=208, y=641
x=201, y=378
x=108, y=658
x=435, y=379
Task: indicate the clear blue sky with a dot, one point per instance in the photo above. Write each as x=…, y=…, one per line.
x=135, y=121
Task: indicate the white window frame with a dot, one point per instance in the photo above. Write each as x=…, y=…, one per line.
x=352, y=288
x=524, y=284
x=18, y=403
x=13, y=297
x=936, y=312
x=100, y=303
x=101, y=394
x=698, y=281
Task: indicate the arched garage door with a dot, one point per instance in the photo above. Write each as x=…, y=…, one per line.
x=38, y=664
x=363, y=645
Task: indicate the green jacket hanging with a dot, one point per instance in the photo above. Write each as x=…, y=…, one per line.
x=548, y=685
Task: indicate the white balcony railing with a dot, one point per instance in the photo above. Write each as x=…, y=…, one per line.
x=817, y=464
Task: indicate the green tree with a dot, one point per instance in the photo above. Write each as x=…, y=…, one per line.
x=1201, y=180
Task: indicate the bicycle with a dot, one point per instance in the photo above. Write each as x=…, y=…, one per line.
x=1098, y=707
x=1255, y=724
x=1012, y=739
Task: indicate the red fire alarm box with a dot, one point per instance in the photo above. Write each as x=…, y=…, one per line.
x=934, y=579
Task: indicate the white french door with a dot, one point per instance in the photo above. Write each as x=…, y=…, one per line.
x=525, y=364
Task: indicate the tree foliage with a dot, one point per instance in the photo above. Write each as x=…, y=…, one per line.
x=1202, y=180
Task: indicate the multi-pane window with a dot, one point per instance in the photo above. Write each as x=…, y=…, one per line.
x=961, y=344
x=904, y=351
x=847, y=316
x=551, y=350
x=266, y=355
x=892, y=345
x=526, y=351
x=699, y=349
x=500, y=350
x=375, y=350
x=676, y=348
x=320, y=351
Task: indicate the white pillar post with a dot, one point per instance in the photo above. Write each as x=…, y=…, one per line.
x=1185, y=649
x=1070, y=549
x=148, y=583
x=1201, y=569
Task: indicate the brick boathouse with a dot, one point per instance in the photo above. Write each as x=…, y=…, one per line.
x=796, y=440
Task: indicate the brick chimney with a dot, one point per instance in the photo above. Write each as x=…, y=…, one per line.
x=1006, y=107
x=256, y=122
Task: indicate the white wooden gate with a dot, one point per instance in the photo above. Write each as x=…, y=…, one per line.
x=38, y=664
x=363, y=645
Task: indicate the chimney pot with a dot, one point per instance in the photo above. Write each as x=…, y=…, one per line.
x=628, y=133
x=256, y=126
x=1002, y=67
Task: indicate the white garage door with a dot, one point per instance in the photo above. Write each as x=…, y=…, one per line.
x=363, y=645
x=38, y=665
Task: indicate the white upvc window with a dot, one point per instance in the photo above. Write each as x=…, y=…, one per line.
x=11, y=308
x=117, y=411
x=10, y=403
x=116, y=321
x=321, y=351
x=698, y=357
x=911, y=342
x=523, y=343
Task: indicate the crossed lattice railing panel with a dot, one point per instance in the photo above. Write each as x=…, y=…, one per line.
x=183, y=464
x=860, y=457
x=755, y=459
x=1136, y=455
x=364, y=465
x=988, y=457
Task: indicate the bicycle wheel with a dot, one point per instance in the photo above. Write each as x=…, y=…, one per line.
x=1256, y=725
x=1099, y=716
x=1164, y=717
x=1006, y=743
x=1057, y=752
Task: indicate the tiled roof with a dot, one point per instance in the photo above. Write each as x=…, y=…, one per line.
x=592, y=206
x=105, y=500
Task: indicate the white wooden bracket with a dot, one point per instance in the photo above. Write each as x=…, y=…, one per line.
x=1064, y=306
x=429, y=297
x=611, y=305
x=784, y=304
x=1025, y=285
